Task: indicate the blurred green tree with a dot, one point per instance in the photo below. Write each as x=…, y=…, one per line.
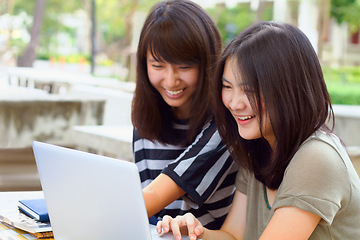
x=28, y=56
x=232, y=20
x=114, y=20
x=346, y=11
x=116, y=26
x=45, y=24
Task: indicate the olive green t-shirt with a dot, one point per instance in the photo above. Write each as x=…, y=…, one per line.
x=319, y=179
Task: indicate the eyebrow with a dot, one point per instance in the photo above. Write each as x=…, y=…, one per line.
x=151, y=59
x=241, y=84
x=224, y=80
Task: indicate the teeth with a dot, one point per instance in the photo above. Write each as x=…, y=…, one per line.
x=245, y=118
x=175, y=92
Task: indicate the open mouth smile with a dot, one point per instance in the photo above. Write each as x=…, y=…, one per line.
x=174, y=92
x=243, y=118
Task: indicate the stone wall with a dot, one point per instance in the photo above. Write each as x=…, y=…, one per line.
x=49, y=120
x=118, y=102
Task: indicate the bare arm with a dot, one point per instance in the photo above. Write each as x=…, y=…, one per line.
x=160, y=193
x=232, y=229
x=287, y=223
x=235, y=222
x=290, y=223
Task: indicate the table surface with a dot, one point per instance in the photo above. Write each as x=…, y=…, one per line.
x=9, y=200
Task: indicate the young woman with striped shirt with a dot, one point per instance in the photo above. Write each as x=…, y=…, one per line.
x=183, y=164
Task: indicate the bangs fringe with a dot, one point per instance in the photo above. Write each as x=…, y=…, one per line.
x=174, y=47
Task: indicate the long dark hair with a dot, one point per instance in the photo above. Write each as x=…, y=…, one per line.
x=178, y=32
x=280, y=67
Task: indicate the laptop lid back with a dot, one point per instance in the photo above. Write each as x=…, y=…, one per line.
x=90, y=196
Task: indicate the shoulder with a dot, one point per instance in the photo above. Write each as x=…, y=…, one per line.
x=136, y=135
x=210, y=125
x=317, y=165
x=318, y=178
x=319, y=152
x=208, y=135
x=243, y=177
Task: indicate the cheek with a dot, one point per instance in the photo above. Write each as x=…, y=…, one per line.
x=153, y=77
x=225, y=98
x=192, y=78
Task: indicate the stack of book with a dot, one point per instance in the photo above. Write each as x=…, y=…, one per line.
x=30, y=221
x=9, y=232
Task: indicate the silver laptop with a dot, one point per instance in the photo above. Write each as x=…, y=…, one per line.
x=90, y=196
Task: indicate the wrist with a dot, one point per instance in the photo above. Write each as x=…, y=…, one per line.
x=206, y=234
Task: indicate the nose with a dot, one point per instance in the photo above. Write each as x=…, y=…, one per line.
x=238, y=101
x=171, y=77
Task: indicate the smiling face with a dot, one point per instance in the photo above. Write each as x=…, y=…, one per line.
x=236, y=101
x=175, y=83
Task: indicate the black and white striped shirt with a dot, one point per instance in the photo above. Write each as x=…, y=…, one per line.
x=204, y=170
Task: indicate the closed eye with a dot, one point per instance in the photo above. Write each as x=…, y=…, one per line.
x=184, y=67
x=226, y=84
x=249, y=91
x=156, y=66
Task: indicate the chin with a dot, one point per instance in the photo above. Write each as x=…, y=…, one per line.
x=247, y=136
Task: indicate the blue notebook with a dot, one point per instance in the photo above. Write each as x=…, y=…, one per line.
x=35, y=208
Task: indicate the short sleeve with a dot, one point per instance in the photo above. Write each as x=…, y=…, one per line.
x=241, y=181
x=316, y=181
x=202, y=167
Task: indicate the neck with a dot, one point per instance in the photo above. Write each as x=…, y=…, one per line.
x=180, y=113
